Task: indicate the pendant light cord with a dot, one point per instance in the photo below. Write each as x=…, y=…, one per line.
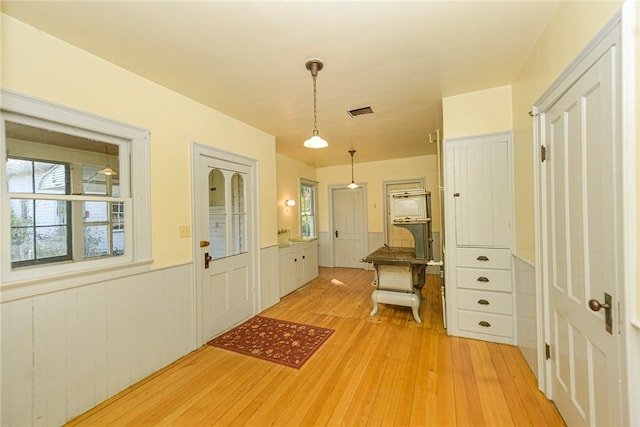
x=352, y=152
x=315, y=107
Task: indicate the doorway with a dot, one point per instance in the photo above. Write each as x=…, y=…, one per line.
x=581, y=234
x=349, y=226
x=225, y=240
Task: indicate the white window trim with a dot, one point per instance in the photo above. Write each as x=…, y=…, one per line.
x=26, y=282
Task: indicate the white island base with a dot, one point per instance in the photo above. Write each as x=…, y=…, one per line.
x=407, y=299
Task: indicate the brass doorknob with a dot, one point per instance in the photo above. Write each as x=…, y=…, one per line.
x=596, y=305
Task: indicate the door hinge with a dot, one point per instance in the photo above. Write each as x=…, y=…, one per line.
x=543, y=153
x=547, y=351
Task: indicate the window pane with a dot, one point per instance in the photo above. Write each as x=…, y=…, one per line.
x=51, y=212
x=117, y=215
x=51, y=242
x=96, y=241
x=118, y=242
x=217, y=215
x=50, y=178
x=237, y=193
x=22, y=244
x=307, y=210
x=95, y=212
x=94, y=181
x=238, y=226
x=21, y=212
x=239, y=244
x=19, y=176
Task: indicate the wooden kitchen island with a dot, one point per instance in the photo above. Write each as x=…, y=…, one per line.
x=399, y=278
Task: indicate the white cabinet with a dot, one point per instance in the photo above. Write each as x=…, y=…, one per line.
x=309, y=261
x=479, y=238
x=298, y=265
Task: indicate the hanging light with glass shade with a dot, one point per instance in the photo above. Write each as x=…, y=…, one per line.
x=107, y=170
x=353, y=184
x=314, y=65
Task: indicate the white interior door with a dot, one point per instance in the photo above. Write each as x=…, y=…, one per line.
x=399, y=236
x=225, y=231
x=348, y=226
x=582, y=244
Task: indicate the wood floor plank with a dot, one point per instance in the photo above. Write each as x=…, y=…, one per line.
x=384, y=370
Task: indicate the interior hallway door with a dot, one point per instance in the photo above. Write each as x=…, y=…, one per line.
x=349, y=226
x=582, y=241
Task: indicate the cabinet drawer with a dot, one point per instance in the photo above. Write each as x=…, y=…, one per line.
x=494, y=324
x=490, y=280
x=484, y=258
x=488, y=302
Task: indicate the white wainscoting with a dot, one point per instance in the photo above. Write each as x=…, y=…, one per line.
x=269, y=277
x=375, y=241
x=65, y=352
x=525, y=288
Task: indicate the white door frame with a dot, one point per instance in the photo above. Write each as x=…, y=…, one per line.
x=629, y=317
x=198, y=150
x=385, y=201
x=365, y=229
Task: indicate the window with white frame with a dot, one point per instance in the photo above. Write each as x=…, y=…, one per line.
x=308, y=215
x=69, y=193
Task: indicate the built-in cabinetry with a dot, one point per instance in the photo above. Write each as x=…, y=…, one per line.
x=479, y=237
x=298, y=265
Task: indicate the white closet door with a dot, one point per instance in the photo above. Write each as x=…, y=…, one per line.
x=584, y=237
x=482, y=194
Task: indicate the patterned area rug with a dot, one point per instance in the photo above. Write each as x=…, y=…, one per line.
x=288, y=343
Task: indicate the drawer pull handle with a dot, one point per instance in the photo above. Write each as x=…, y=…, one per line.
x=483, y=279
x=483, y=302
x=484, y=324
x=482, y=258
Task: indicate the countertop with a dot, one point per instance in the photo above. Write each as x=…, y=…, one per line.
x=395, y=256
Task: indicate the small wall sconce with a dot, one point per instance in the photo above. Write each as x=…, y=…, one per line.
x=289, y=202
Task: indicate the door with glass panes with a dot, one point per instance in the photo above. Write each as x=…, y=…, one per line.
x=227, y=287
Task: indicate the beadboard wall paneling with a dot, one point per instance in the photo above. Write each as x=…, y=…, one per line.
x=525, y=290
x=375, y=241
x=269, y=277
x=65, y=352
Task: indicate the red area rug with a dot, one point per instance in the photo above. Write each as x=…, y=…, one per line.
x=288, y=343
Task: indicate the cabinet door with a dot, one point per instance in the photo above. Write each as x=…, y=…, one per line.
x=310, y=260
x=288, y=274
x=482, y=193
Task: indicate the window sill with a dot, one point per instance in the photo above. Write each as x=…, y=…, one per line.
x=10, y=291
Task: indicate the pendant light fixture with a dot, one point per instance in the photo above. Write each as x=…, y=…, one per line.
x=315, y=65
x=107, y=170
x=353, y=184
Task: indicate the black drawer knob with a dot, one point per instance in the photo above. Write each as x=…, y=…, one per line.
x=484, y=324
x=483, y=279
x=483, y=302
x=482, y=258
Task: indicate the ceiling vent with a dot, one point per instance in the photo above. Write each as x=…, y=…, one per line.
x=360, y=111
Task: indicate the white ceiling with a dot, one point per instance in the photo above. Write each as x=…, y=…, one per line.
x=246, y=59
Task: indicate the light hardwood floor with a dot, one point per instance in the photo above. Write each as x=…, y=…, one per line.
x=385, y=370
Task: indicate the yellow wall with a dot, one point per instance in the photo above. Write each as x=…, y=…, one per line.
x=374, y=174
x=637, y=41
x=572, y=27
x=476, y=113
x=289, y=172
x=37, y=64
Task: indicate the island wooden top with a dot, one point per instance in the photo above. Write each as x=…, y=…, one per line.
x=395, y=256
